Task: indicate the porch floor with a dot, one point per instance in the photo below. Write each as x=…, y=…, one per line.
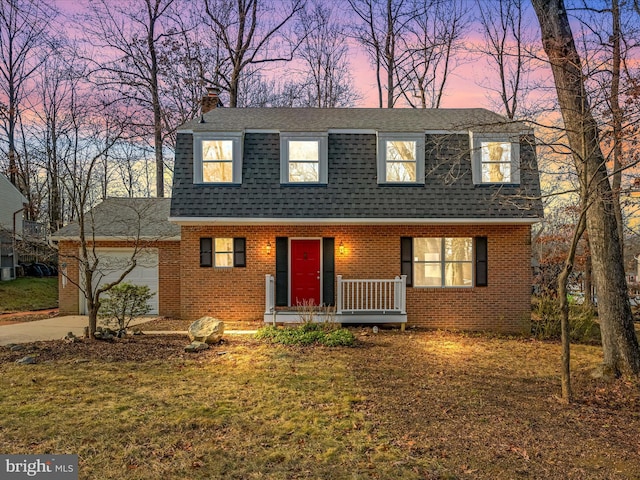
x=369, y=317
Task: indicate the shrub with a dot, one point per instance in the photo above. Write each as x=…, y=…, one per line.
x=308, y=334
x=339, y=338
x=583, y=327
x=123, y=303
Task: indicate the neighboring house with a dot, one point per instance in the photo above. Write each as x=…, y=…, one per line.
x=401, y=215
x=12, y=204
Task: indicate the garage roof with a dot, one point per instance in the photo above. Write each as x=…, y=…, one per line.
x=125, y=218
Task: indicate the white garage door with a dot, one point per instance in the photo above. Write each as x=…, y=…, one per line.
x=114, y=261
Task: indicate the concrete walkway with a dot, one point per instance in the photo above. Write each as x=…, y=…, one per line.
x=57, y=327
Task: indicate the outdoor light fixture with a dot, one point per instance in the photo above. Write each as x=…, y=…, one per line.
x=341, y=248
x=268, y=248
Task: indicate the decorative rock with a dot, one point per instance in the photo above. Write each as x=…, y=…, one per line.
x=70, y=338
x=137, y=331
x=28, y=360
x=16, y=348
x=206, y=329
x=375, y=329
x=103, y=335
x=196, y=346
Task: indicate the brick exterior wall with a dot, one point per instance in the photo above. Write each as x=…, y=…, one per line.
x=168, y=272
x=68, y=295
x=370, y=252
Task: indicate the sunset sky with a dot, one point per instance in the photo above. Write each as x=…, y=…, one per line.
x=466, y=87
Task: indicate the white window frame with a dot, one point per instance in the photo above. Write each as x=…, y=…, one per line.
x=476, y=140
x=237, y=138
x=323, y=154
x=383, y=138
x=215, y=252
x=443, y=263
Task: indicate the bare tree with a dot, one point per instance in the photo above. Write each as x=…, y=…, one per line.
x=619, y=341
x=433, y=43
x=130, y=36
x=92, y=137
x=503, y=25
x=57, y=78
x=382, y=23
x=610, y=40
x=23, y=30
x=250, y=33
x=324, y=52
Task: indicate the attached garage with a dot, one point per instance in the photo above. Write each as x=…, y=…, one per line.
x=112, y=262
x=115, y=228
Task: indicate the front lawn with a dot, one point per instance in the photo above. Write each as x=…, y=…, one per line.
x=413, y=405
x=28, y=293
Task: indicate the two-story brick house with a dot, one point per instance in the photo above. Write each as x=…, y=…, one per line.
x=418, y=216
x=399, y=215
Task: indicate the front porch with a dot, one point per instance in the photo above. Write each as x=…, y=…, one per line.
x=371, y=301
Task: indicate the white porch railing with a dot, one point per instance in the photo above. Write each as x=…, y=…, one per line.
x=357, y=296
x=383, y=296
x=270, y=294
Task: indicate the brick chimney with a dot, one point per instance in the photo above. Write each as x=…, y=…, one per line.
x=211, y=100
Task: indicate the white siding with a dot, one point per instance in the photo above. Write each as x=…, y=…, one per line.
x=11, y=200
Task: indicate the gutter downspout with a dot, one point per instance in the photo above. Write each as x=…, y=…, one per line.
x=13, y=240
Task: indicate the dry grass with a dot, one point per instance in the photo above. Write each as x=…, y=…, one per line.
x=414, y=405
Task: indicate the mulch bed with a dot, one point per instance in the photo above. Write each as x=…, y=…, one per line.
x=133, y=348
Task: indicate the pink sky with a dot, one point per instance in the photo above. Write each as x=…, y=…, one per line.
x=464, y=87
x=462, y=91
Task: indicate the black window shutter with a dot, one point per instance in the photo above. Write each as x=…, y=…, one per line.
x=282, y=271
x=206, y=257
x=406, y=259
x=239, y=252
x=482, y=273
x=328, y=271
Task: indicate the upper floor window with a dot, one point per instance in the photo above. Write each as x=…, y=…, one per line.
x=496, y=159
x=218, y=158
x=303, y=158
x=400, y=158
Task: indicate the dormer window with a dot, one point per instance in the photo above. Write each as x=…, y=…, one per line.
x=303, y=158
x=495, y=158
x=401, y=158
x=218, y=158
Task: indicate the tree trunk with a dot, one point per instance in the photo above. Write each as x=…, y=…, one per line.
x=389, y=52
x=588, y=281
x=619, y=341
x=155, y=98
x=616, y=114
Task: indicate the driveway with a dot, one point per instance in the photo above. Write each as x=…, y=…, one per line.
x=47, y=329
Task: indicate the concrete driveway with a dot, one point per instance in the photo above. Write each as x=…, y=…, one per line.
x=48, y=329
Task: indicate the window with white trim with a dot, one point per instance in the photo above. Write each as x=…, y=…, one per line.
x=496, y=158
x=401, y=158
x=222, y=252
x=303, y=158
x=217, y=158
x=443, y=262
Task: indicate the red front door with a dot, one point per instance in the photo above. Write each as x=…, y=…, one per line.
x=305, y=272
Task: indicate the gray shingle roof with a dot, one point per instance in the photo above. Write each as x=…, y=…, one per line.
x=126, y=218
x=323, y=119
x=352, y=191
